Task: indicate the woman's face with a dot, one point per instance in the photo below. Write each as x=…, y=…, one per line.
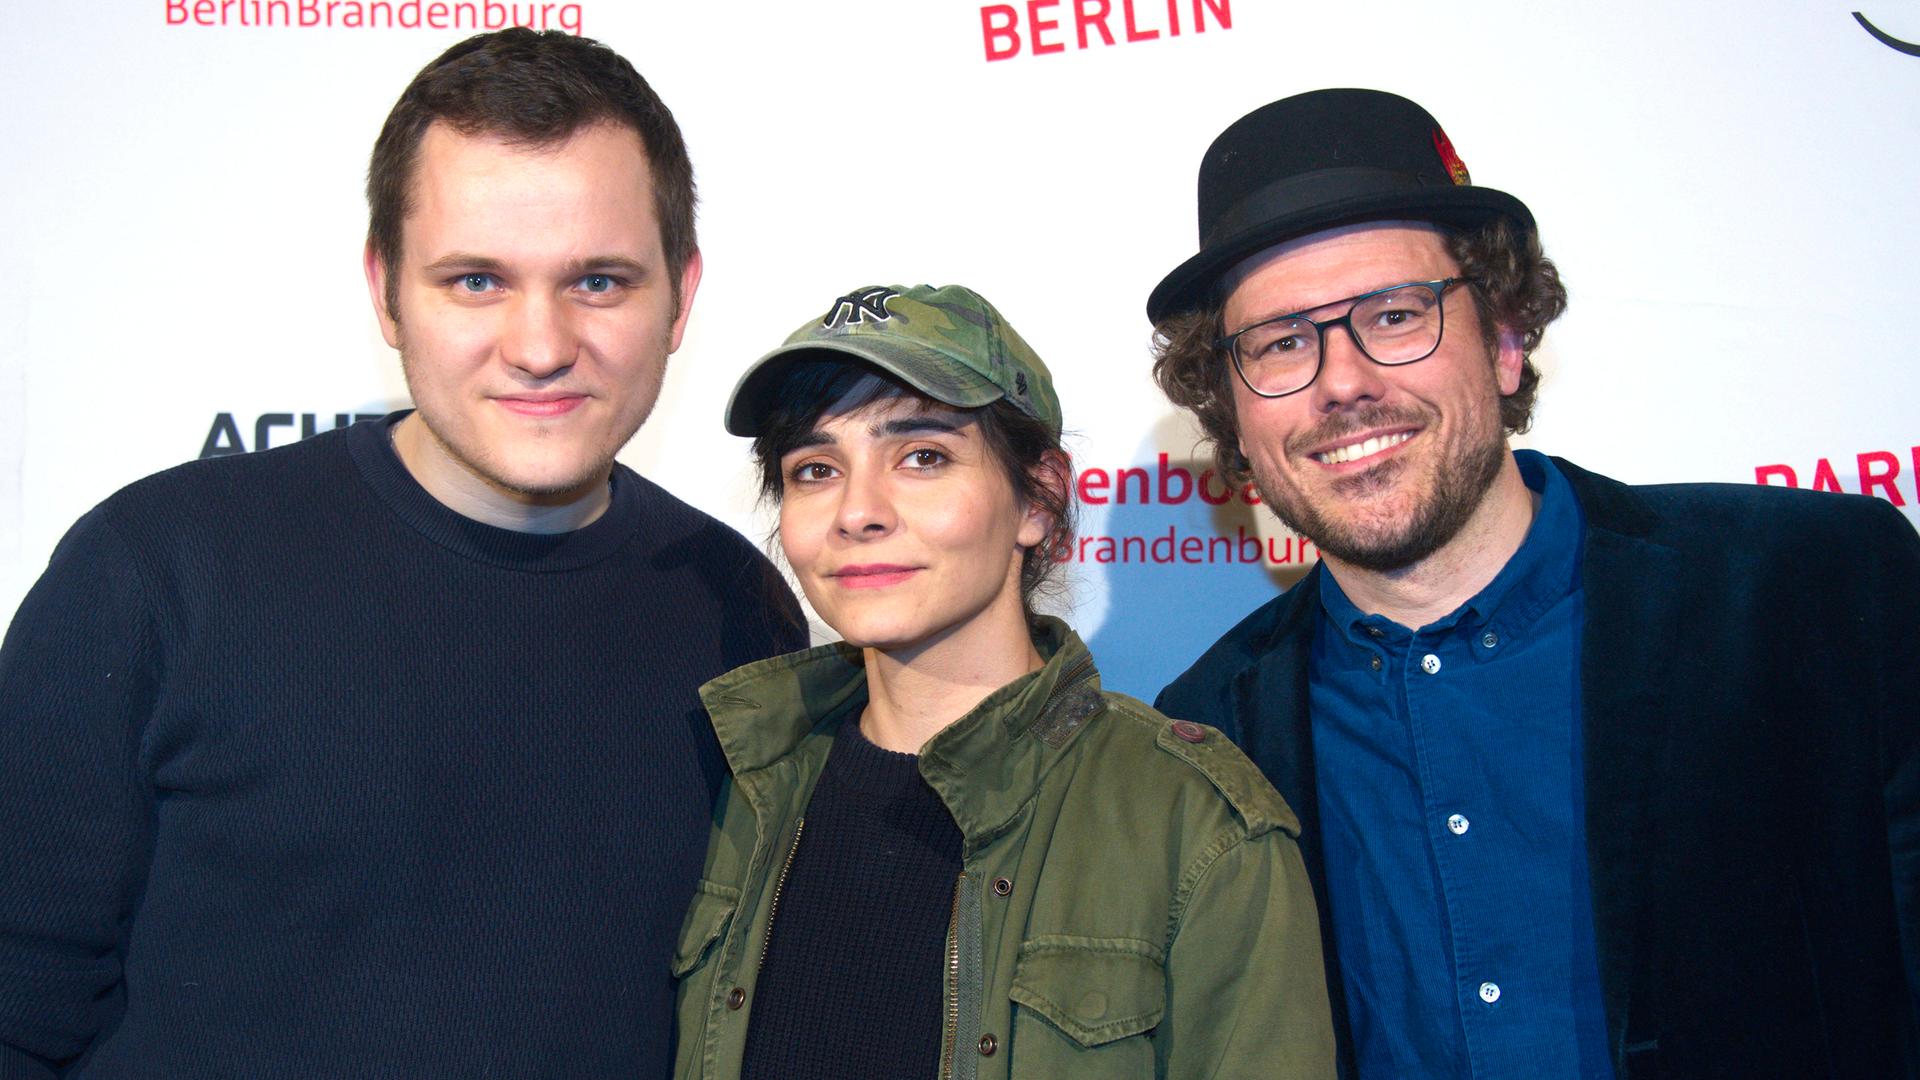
x=903, y=529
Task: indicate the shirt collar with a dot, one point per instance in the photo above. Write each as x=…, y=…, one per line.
x=1544, y=570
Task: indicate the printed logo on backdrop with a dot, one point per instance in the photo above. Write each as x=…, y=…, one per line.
x=375, y=14
x=227, y=436
x=1169, y=485
x=1884, y=38
x=1054, y=26
x=1155, y=495
x=1876, y=473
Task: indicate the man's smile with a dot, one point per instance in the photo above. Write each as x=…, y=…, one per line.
x=1361, y=448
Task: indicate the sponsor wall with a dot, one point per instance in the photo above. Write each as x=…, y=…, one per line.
x=1726, y=187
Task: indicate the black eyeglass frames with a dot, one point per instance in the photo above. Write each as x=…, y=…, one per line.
x=1399, y=324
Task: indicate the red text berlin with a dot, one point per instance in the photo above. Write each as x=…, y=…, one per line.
x=1052, y=26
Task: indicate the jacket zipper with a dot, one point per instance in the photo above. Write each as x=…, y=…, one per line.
x=953, y=982
x=1072, y=676
x=1077, y=674
x=1080, y=672
x=773, y=907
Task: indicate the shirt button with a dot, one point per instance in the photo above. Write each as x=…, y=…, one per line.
x=1430, y=664
x=1002, y=886
x=736, y=997
x=1189, y=731
x=1376, y=631
x=988, y=1044
x=1489, y=639
x=1489, y=992
x=1374, y=662
x=1458, y=823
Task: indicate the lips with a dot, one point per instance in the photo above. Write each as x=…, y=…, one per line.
x=873, y=575
x=542, y=405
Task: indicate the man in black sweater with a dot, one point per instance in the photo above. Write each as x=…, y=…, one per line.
x=380, y=755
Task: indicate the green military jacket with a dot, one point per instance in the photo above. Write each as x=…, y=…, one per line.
x=1132, y=903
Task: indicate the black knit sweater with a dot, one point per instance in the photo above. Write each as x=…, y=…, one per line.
x=304, y=775
x=852, y=984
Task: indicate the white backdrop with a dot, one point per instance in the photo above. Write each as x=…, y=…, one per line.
x=1727, y=187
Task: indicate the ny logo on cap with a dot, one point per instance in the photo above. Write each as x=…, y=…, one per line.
x=859, y=306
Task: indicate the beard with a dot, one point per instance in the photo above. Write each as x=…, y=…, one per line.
x=1462, y=476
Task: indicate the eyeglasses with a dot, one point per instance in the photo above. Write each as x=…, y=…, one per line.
x=1391, y=326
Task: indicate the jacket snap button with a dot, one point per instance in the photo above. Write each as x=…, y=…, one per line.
x=1001, y=886
x=1190, y=731
x=736, y=997
x=988, y=1044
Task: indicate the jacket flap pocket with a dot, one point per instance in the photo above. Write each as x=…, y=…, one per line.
x=707, y=917
x=1095, y=990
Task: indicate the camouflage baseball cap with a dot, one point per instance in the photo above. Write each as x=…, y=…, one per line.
x=947, y=342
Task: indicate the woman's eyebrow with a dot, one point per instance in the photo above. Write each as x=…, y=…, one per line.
x=919, y=422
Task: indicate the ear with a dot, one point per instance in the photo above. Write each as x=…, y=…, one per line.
x=377, y=289
x=689, y=284
x=1054, y=473
x=1509, y=358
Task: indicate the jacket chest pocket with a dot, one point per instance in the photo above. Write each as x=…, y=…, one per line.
x=696, y=963
x=1086, y=1007
x=706, y=923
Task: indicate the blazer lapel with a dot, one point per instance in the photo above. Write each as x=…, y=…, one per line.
x=1632, y=620
x=1270, y=706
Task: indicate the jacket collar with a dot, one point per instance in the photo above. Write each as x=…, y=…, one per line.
x=985, y=765
x=1274, y=687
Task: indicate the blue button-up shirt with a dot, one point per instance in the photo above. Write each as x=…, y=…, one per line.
x=1449, y=771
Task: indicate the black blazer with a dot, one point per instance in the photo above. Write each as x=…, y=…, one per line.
x=1750, y=688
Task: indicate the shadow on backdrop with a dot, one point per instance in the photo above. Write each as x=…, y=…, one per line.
x=1184, y=565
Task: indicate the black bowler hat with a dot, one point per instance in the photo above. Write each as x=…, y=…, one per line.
x=1314, y=161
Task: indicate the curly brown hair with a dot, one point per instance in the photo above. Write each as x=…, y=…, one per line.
x=1514, y=285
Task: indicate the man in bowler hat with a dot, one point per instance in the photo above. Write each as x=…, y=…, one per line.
x=1587, y=789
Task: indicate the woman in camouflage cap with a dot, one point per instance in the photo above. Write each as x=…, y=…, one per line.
x=944, y=850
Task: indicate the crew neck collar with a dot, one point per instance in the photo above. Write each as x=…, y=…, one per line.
x=371, y=446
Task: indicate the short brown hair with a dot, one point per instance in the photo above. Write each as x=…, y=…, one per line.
x=535, y=88
x=1515, y=285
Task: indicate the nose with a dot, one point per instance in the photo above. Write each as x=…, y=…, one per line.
x=540, y=339
x=866, y=509
x=1347, y=378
